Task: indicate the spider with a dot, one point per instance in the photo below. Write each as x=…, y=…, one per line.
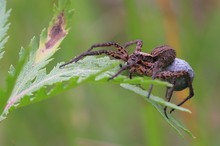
x=161, y=64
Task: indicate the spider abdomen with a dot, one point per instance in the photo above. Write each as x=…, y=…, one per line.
x=182, y=70
x=180, y=65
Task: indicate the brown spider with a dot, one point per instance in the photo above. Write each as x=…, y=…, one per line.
x=161, y=63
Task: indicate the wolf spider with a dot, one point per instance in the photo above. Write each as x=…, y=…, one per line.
x=161, y=64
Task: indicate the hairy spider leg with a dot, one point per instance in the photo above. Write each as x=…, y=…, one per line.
x=120, y=71
x=191, y=92
x=121, y=53
x=113, y=54
x=146, y=57
x=156, y=70
x=141, y=68
x=172, y=77
x=136, y=65
x=131, y=71
x=135, y=69
x=138, y=43
x=169, y=93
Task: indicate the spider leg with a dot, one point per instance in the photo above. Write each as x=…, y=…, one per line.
x=191, y=94
x=141, y=68
x=138, y=43
x=173, y=78
x=113, y=54
x=131, y=71
x=149, y=91
x=157, y=67
x=107, y=44
x=120, y=50
x=120, y=71
x=169, y=93
x=127, y=44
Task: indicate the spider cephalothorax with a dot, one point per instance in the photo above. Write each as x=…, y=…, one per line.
x=161, y=63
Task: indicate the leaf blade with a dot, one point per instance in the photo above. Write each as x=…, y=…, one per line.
x=4, y=26
x=179, y=128
x=26, y=72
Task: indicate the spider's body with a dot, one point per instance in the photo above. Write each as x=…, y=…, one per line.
x=161, y=63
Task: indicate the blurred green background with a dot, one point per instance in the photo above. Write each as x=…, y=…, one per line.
x=106, y=114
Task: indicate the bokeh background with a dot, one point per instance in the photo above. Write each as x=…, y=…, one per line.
x=105, y=114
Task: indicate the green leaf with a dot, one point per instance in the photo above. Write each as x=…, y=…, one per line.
x=157, y=103
x=30, y=73
x=3, y=25
x=46, y=85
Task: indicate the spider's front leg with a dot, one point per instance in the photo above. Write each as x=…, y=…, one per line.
x=141, y=68
x=120, y=71
x=135, y=67
x=120, y=52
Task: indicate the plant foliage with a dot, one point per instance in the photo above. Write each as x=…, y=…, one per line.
x=4, y=26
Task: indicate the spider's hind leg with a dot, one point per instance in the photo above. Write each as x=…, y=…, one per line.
x=191, y=94
x=169, y=93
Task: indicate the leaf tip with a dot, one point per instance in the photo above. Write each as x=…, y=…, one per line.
x=49, y=44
